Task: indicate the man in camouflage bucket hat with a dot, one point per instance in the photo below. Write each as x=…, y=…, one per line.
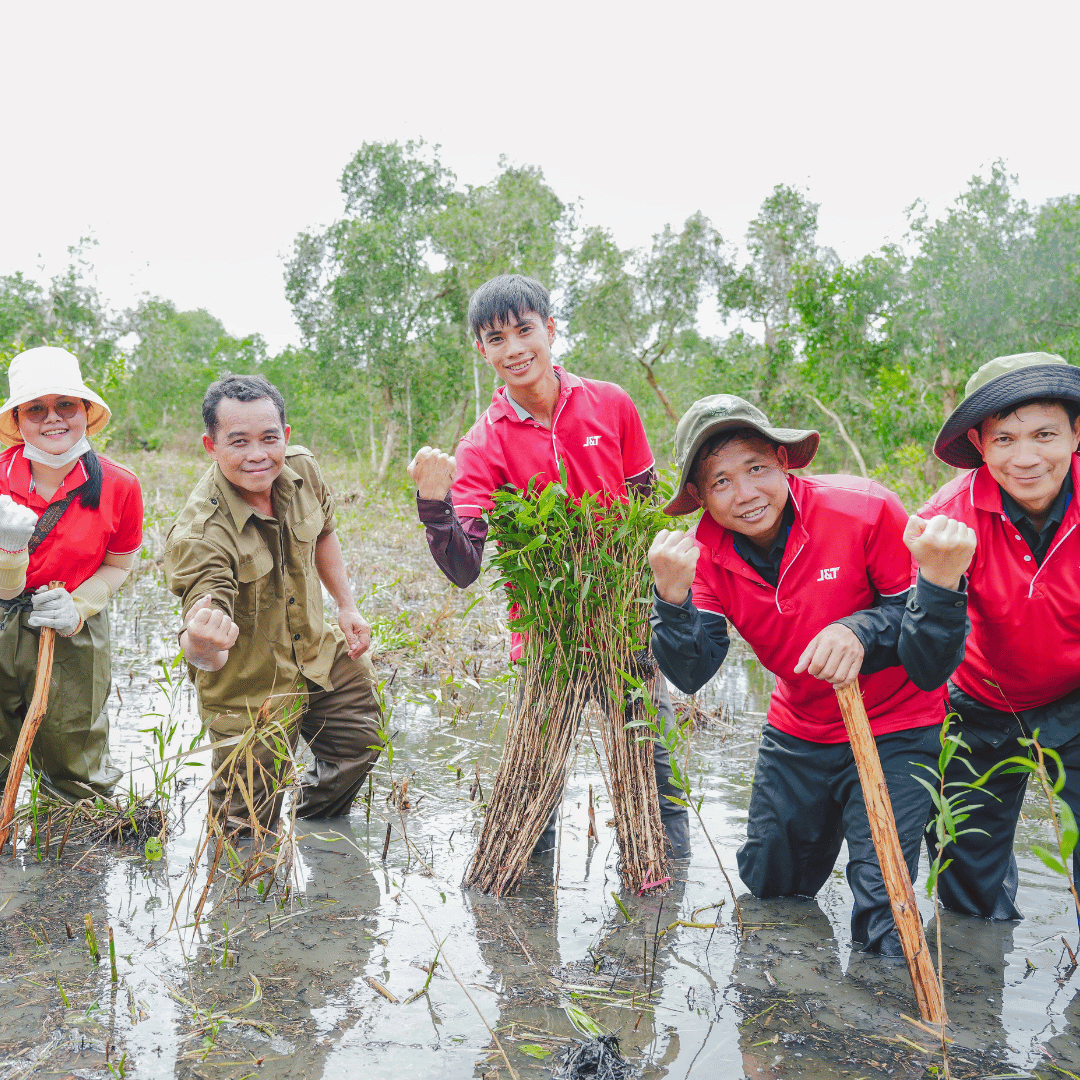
x=814, y=574
x=1017, y=429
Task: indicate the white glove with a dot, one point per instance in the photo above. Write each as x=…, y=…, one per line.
x=16, y=524
x=55, y=608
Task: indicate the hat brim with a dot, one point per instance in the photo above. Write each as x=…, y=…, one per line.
x=1040, y=381
x=98, y=413
x=801, y=446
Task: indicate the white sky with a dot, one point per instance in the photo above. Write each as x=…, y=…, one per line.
x=195, y=140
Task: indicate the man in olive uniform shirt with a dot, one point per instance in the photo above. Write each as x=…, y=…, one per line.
x=248, y=555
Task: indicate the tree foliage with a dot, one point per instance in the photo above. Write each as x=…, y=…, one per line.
x=874, y=351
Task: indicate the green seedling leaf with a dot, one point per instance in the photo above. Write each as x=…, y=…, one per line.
x=621, y=906
x=153, y=849
x=1051, y=861
x=1069, y=832
x=584, y=1023
x=535, y=1051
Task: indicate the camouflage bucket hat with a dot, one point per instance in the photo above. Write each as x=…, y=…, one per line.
x=725, y=412
x=998, y=385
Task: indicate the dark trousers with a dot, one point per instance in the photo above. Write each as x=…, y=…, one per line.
x=983, y=877
x=807, y=799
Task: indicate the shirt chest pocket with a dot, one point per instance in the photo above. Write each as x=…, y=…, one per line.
x=252, y=575
x=306, y=531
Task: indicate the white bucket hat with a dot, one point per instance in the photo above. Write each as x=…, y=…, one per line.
x=48, y=370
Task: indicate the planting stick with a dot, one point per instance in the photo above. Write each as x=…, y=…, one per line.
x=890, y=857
x=34, y=716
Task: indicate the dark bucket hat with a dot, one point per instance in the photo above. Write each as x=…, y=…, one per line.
x=724, y=412
x=998, y=385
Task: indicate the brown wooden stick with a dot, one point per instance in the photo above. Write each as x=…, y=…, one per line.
x=34, y=716
x=890, y=857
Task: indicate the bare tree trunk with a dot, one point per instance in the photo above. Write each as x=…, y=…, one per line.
x=650, y=378
x=460, y=425
x=371, y=422
x=834, y=417
x=388, y=449
x=408, y=418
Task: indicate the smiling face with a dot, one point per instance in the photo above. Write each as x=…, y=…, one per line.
x=53, y=423
x=249, y=444
x=520, y=351
x=743, y=485
x=1029, y=453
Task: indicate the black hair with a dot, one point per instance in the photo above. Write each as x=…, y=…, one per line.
x=505, y=296
x=715, y=443
x=239, y=388
x=90, y=492
x=1071, y=407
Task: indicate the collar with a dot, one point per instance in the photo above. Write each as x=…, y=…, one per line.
x=1057, y=508
x=504, y=407
x=21, y=478
x=986, y=495
x=237, y=505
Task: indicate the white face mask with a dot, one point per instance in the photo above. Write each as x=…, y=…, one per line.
x=56, y=461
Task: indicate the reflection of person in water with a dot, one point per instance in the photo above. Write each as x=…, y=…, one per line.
x=509, y=928
x=790, y=964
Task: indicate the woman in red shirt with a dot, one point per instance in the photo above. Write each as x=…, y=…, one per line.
x=66, y=514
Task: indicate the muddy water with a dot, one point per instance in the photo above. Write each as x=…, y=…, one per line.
x=283, y=986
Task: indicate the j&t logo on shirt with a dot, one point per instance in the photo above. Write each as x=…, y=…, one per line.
x=829, y=573
x=591, y=440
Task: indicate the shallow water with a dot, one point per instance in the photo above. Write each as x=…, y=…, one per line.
x=790, y=1000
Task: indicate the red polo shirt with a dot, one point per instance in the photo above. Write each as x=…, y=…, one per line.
x=77, y=545
x=596, y=434
x=845, y=548
x=1024, y=647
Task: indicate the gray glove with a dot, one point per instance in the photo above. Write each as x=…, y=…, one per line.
x=55, y=608
x=16, y=524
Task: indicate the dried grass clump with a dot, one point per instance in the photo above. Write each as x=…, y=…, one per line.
x=578, y=574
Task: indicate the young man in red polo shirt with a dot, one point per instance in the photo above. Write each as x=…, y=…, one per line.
x=814, y=574
x=542, y=419
x=1017, y=430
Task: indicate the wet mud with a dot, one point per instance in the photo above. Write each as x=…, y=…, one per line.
x=326, y=976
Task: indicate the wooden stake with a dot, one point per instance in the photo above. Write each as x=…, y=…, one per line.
x=894, y=869
x=34, y=716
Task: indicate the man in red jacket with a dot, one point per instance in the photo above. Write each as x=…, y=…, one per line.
x=542, y=419
x=814, y=574
x=1017, y=430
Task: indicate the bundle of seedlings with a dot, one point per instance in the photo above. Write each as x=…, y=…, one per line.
x=577, y=573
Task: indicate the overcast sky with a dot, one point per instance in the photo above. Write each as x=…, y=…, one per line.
x=195, y=140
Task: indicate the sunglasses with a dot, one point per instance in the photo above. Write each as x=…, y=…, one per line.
x=36, y=414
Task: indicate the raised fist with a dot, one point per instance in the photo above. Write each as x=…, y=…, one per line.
x=673, y=558
x=16, y=524
x=208, y=636
x=942, y=547
x=433, y=472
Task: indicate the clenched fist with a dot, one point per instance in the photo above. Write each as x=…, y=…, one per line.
x=942, y=547
x=208, y=636
x=432, y=471
x=16, y=524
x=673, y=558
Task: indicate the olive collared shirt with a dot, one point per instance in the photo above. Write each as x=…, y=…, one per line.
x=261, y=571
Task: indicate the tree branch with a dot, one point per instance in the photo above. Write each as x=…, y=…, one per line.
x=843, y=433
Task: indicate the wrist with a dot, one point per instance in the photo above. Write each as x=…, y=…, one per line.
x=676, y=596
x=943, y=580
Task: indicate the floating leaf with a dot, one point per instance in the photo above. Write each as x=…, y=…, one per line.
x=535, y=1051
x=153, y=849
